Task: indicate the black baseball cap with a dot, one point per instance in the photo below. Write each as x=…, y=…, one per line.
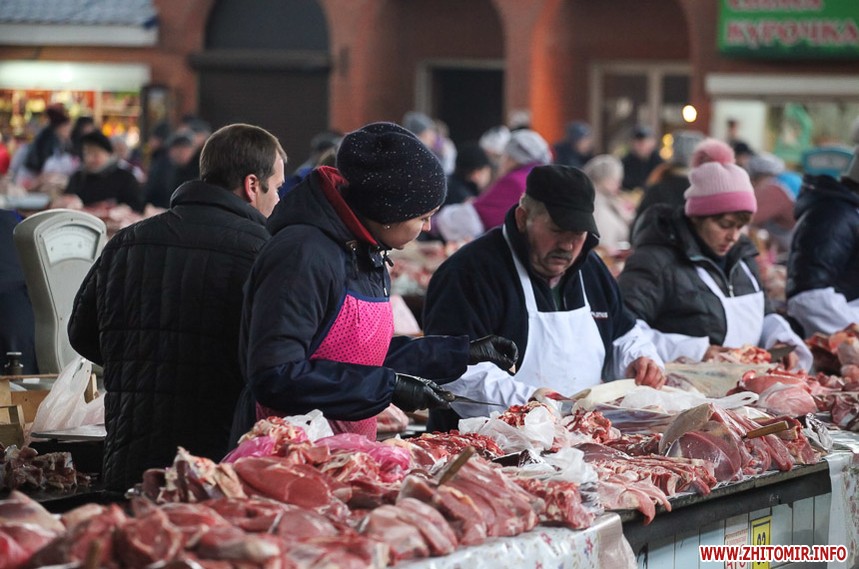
x=568, y=195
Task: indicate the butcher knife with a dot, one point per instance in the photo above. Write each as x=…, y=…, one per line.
x=451, y=397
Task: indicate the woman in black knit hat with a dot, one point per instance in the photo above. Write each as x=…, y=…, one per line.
x=317, y=325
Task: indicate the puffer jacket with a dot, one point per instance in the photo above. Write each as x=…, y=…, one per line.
x=825, y=248
x=660, y=283
x=319, y=251
x=160, y=310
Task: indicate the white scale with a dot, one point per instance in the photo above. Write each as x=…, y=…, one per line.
x=57, y=248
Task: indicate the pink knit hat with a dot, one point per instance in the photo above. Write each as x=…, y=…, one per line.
x=718, y=188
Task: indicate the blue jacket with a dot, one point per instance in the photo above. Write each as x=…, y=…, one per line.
x=825, y=247
x=294, y=293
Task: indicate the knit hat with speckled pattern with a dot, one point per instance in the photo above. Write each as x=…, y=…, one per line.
x=392, y=175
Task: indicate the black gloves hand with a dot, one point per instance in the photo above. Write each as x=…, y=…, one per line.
x=500, y=351
x=412, y=393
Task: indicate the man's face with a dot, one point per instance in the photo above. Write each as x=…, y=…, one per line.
x=643, y=147
x=95, y=157
x=267, y=199
x=553, y=250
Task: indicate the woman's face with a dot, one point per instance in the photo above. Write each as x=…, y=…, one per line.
x=721, y=232
x=398, y=235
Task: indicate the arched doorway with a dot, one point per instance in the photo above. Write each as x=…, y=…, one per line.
x=638, y=73
x=267, y=63
x=445, y=58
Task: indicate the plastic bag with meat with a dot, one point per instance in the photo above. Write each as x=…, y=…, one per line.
x=791, y=400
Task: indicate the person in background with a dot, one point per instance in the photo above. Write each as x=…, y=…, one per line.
x=460, y=222
x=198, y=130
x=493, y=142
x=537, y=281
x=669, y=180
x=641, y=158
x=123, y=153
x=83, y=125
x=5, y=157
x=317, y=325
x=775, y=200
x=321, y=145
x=160, y=309
x=18, y=323
x=693, y=281
x=101, y=179
x=577, y=147
x=471, y=176
x=823, y=265
x=53, y=139
x=163, y=175
x=612, y=211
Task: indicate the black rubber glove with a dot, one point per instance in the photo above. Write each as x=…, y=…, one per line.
x=412, y=393
x=496, y=349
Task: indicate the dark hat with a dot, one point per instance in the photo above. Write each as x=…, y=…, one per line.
x=97, y=138
x=568, y=195
x=392, y=175
x=178, y=139
x=641, y=131
x=57, y=114
x=470, y=157
x=578, y=130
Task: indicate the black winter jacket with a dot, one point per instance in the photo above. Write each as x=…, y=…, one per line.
x=660, y=283
x=477, y=292
x=112, y=183
x=160, y=309
x=318, y=252
x=825, y=247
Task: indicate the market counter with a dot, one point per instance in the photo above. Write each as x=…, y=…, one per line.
x=600, y=546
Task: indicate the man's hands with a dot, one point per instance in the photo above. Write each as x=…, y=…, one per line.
x=412, y=393
x=496, y=349
x=647, y=372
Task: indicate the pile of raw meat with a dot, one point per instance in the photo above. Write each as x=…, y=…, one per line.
x=27, y=470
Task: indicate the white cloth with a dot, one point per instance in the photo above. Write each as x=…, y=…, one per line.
x=458, y=222
x=823, y=310
x=744, y=314
x=565, y=352
x=777, y=330
x=671, y=346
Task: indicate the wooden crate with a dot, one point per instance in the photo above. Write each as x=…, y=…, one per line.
x=12, y=431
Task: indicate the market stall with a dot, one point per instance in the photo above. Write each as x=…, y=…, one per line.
x=614, y=478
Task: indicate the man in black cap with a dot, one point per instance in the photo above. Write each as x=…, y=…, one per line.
x=641, y=159
x=100, y=179
x=537, y=281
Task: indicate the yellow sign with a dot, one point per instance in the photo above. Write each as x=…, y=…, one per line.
x=761, y=535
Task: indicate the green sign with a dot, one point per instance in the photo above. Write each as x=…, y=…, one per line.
x=789, y=28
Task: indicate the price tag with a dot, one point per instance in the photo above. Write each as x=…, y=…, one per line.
x=761, y=535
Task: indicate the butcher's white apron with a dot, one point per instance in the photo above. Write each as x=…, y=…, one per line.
x=565, y=351
x=744, y=314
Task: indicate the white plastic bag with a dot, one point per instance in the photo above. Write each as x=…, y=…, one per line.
x=65, y=407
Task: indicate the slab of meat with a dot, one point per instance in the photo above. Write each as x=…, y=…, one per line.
x=147, y=539
x=593, y=424
x=231, y=543
x=297, y=484
x=343, y=552
x=18, y=542
x=392, y=420
x=444, y=445
x=74, y=545
x=462, y=513
x=563, y=502
x=26, y=469
x=845, y=410
x=747, y=354
x=19, y=508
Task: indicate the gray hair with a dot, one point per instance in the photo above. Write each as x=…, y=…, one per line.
x=603, y=166
x=534, y=208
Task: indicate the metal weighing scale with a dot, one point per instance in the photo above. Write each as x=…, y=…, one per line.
x=57, y=248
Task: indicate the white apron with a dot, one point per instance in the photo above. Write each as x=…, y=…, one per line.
x=565, y=351
x=744, y=314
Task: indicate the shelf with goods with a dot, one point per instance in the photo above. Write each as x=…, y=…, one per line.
x=21, y=110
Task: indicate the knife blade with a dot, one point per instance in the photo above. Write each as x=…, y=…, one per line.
x=777, y=353
x=451, y=397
